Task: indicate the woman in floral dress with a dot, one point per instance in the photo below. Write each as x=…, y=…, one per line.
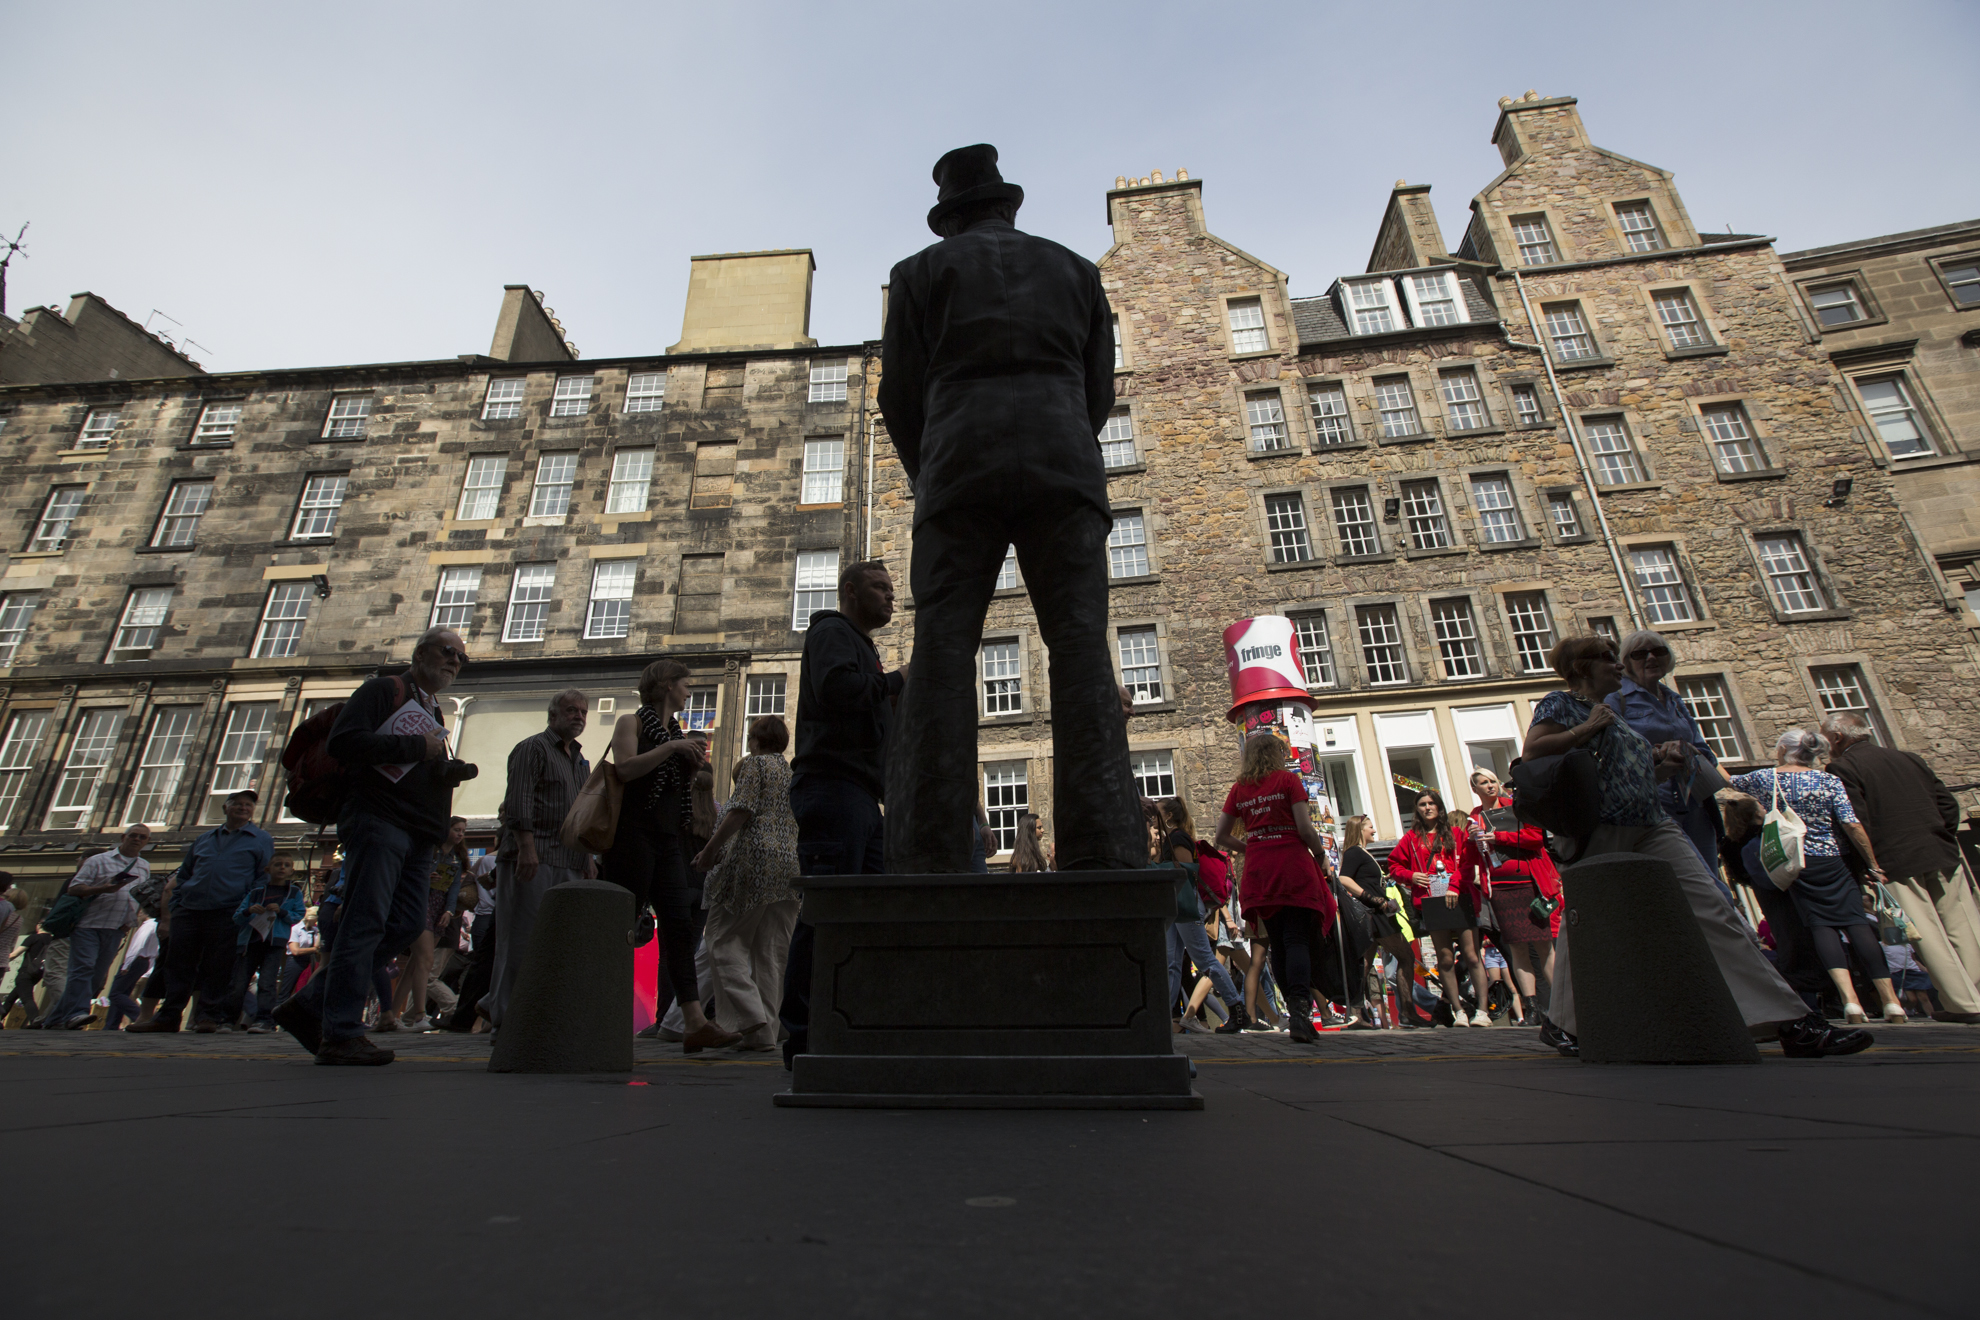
x=751, y=905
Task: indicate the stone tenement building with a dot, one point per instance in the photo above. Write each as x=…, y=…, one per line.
x=1589, y=416
x=1899, y=316
x=186, y=582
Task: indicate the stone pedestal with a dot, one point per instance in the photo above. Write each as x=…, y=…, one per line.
x=991, y=992
x=571, y=1012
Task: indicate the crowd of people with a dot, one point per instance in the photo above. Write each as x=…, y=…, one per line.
x=1279, y=926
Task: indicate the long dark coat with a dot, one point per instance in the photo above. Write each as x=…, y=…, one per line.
x=998, y=373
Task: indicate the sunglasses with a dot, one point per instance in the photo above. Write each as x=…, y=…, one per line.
x=455, y=652
x=1651, y=653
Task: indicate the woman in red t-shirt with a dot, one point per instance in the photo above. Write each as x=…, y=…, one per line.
x=1520, y=870
x=1285, y=862
x=1442, y=874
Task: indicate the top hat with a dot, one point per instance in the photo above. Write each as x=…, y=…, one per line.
x=969, y=174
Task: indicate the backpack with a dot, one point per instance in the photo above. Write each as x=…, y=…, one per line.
x=320, y=784
x=1213, y=872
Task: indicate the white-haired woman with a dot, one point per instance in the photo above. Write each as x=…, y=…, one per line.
x=1825, y=895
x=1648, y=705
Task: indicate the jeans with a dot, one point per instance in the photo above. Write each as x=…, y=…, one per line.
x=840, y=832
x=932, y=775
x=263, y=958
x=92, y=953
x=121, y=1004
x=199, y=958
x=1189, y=942
x=383, y=912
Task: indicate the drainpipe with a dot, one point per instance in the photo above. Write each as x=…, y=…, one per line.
x=866, y=443
x=1580, y=452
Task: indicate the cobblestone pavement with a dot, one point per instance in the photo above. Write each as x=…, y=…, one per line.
x=1498, y=1044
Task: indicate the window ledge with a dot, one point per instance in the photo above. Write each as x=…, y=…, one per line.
x=1583, y=364
x=1123, y=371
x=1850, y=325
x=1126, y=469
x=500, y=423
x=81, y=455
x=1003, y=593
x=1703, y=350
x=1696, y=625
x=1294, y=565
x=1435, y=554
x=1624, y=487
x=1813, y=616
x=817, y=508
x=1920, y=464
x=1416, y=438
x=1139, y=580
x=1335, y=449
x=1290, y=451
x=999, y=721
x=39, y=554
x=1535, y=426
x=1583, y=539
x=203, y=446
x=547, y=520
x=338, y=439
x=1470, y=431
x=642, y=515
x=1758, y=474
x=1153, y=707
x=1253, y=357
x=304, y=543
x=163, y=549
x=1379, y=557
x=561, y=423
x=1524, y=543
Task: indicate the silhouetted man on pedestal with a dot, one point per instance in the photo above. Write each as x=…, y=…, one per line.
x=998, y=373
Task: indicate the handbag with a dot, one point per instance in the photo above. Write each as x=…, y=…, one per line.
x=1780, y=842
x=1563, y=796
x=1893, y=926
x=1188, y=906
x=592, y=823
x=1543, y=908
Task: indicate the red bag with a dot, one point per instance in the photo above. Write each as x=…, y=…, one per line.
x=1213, y=873
x=320, y=784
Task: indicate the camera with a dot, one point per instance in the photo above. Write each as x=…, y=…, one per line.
x=456, y=772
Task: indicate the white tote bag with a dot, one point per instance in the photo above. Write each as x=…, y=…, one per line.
x=1780, y=841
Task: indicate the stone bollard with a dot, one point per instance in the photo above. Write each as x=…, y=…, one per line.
x=1646, y=988
x=571, y=1011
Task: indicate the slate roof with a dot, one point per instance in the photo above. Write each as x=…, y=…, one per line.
x=1318, y=320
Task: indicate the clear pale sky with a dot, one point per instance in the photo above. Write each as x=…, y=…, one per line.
x=323, y=184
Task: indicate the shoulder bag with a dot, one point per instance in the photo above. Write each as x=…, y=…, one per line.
x=1893, y=926
x=1780, y=842
x=1563, y=796
x=592, y=823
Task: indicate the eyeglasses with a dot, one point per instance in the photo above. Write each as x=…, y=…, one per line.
x=1651, y=653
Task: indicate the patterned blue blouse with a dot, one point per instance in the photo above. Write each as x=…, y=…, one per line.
x=1817, y=796
x=1627, y=780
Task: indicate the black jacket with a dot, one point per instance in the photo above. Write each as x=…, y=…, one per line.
x=845, y=705
x=998, y=373
x=1909, y=815
x=421, y=802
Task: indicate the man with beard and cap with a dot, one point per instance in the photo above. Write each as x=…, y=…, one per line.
x=997, y=375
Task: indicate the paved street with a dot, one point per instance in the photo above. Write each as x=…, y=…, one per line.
x=1377, y=1171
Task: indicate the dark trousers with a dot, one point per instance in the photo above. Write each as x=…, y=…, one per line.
x=200, y=959
x=654, y=866
x=384, y=909
x=664, y=994
x=292, y=971
x=1293, y=930
x=121, y=1004
x=931, y=760
x=480, y=973
x=263, y=958
x=840, y=832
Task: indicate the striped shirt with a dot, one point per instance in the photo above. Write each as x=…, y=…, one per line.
x=544, y=779
x=116, y=910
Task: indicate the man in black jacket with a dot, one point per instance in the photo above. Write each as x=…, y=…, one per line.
x=400, y=803
x=998, y=359
x=1910, y=817
x=845, y=709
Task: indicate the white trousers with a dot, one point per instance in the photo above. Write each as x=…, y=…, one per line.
x=1763, y=997
x=1948, y=941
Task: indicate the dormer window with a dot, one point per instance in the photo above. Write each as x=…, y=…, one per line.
x=1435, y=299
x=1372, y=307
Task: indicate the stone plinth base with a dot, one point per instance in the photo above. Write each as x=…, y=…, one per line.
x=991, y=992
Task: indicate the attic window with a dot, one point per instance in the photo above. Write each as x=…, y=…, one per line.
x=1372, y=307
x=1435, y=299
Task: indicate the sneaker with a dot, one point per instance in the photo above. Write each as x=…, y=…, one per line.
x=78, y=1022
x=418, y=1026
x=1557, y=1040
x=1813, y=1038
x=205, y=1028
x=259, y=1029
x=298, y=1021
x=358, y=1051
x=386, y=1026
x=1239, y=1020
x=1481, y=1018
x=1197, y=1025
